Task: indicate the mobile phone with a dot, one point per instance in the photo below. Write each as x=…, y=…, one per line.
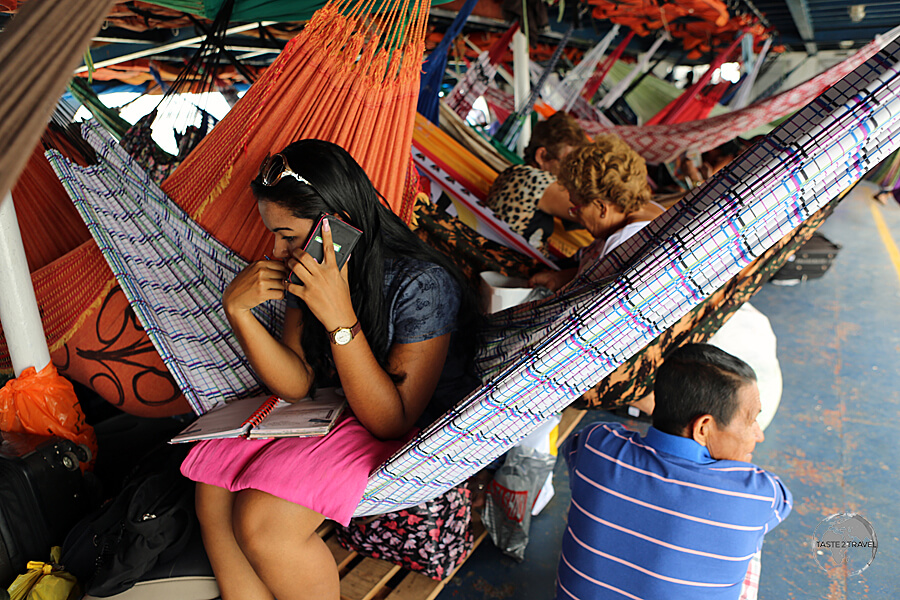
x=343, y=236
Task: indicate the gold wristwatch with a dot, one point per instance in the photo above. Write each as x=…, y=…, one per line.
x=342, y=335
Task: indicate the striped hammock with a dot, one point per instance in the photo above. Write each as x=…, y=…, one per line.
x=541, y=357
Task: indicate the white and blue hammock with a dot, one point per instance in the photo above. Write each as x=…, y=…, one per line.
x=538, y=358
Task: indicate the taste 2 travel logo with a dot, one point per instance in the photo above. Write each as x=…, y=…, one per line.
x=845, y=539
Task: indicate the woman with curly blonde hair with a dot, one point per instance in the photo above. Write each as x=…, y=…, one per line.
x=607, y=185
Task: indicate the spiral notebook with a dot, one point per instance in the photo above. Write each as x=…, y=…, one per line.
x=268, y=417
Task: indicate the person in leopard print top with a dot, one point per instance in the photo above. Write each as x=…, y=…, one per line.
x=527, y=197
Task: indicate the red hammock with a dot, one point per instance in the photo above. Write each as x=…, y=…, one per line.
x=663, y=143
x=593, y=84
x=675, y=111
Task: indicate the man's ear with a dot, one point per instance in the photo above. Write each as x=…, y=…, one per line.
x=701, y=429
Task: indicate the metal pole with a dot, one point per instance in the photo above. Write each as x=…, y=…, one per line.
x=522, y=79
x=18, y=306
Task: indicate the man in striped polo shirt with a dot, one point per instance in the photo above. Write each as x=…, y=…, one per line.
x=680, y=512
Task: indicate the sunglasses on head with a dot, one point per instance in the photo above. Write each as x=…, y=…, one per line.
x=274, y=168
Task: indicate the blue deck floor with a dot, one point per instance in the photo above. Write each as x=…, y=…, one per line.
x=835, y=439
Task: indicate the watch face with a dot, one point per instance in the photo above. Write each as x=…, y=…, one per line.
x=343, y=336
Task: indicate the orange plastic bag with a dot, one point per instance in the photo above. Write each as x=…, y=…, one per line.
x=44, y=403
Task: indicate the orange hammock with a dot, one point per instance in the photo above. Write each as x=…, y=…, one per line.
x=316, y=88
x=643, y=16
x=41, y=199
x=701, y=37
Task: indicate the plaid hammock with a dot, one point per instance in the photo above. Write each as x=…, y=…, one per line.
x=175, y=274
x=683, y=256
x=172, y=271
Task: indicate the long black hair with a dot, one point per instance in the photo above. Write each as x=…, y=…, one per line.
x=338, y=185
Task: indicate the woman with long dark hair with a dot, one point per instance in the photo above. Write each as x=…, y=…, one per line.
x=394, y=328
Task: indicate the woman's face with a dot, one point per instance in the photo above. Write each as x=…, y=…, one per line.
x=290, y=231
x=594, y=215
x=551, y=165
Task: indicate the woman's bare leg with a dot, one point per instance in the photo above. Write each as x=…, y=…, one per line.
x=236, y=578
x=279, y=539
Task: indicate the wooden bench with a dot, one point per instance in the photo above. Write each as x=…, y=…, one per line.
x=364, y=578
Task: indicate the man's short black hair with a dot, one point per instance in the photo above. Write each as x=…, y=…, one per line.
x=695, y=380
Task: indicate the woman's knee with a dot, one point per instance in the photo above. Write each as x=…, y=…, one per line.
x=255, y=521
x=213, y=505
x=263, y=522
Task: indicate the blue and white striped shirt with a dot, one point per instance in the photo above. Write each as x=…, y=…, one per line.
x=659, y=518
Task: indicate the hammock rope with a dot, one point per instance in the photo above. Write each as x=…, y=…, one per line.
x=88, y=98
x=653, y=279
x=593, y=84
x=742, y=98
x=575, y=80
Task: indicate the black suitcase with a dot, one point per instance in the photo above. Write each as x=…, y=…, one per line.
x=810, y=261
x=42, y=494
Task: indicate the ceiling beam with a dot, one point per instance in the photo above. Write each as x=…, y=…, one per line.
x=800, y=13
x=119, y=53
x=844, y=4
x=863, y=35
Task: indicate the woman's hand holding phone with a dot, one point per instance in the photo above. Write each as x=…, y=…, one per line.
x=323, y=287
x=258, y=282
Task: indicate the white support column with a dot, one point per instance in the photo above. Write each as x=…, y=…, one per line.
x=522, y=80
x=18, y=306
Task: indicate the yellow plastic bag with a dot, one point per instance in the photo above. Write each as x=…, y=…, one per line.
x=45, y=581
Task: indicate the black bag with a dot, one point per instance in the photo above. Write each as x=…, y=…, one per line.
x=810, y=261
x=148, y=522
x=43, y=492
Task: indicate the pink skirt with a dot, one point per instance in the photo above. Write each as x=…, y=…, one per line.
x=326, y=474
